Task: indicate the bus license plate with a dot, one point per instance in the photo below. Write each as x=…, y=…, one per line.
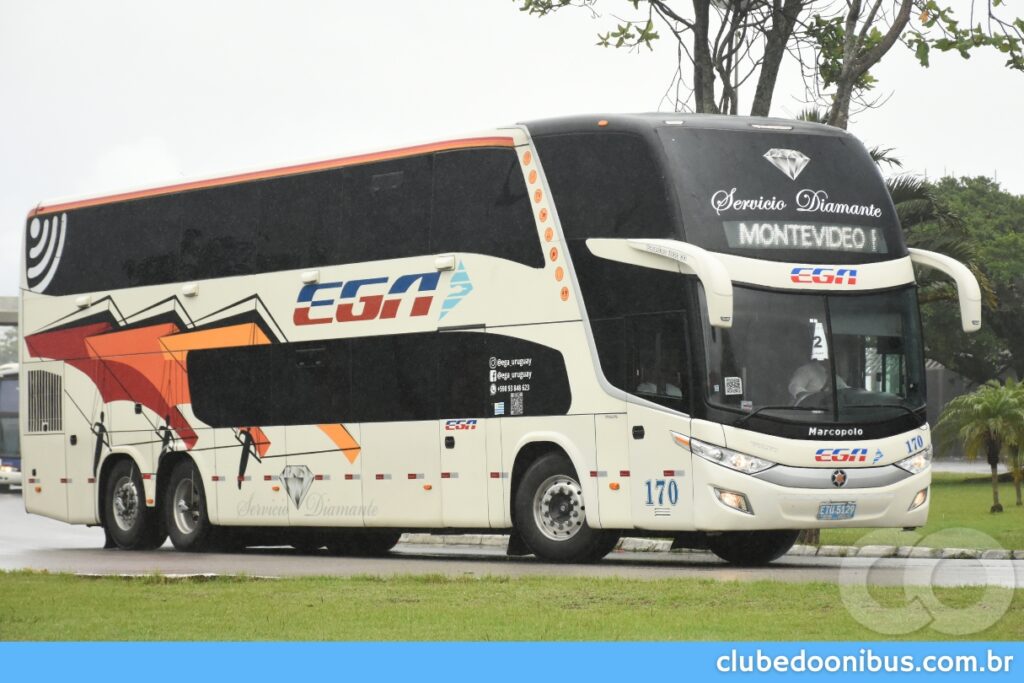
x=836, y=511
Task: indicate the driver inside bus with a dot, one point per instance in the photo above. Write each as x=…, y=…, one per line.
x=812, y=378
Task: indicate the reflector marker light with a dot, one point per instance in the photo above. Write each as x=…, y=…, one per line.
x=91, y=480
x=65, y=481
x=623, y=473
x=147, y=476
x=416, y=475
x=673, y=473
x=680, y=440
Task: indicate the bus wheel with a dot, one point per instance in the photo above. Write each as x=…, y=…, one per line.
x=363, y=543
x=127, y=520
x=551, y=514
x=188, y=522
x=5, y=488
x=752, y=548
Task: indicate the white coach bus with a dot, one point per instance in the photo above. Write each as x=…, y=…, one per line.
x=695, y=327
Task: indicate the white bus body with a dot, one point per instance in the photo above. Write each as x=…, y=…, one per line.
x=569, y=329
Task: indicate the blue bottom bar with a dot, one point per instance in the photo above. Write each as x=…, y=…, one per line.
x=508, y=662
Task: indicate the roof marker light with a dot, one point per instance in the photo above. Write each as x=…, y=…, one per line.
x=771, y=126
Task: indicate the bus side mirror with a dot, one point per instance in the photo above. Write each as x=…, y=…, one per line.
x=680, y=257
x=967, y=287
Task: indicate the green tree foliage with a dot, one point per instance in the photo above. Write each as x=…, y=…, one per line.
x=991, y=220
x=8, y=345
x=988, y=422
x=728, y=45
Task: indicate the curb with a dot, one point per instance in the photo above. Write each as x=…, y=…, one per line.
x=664, y=545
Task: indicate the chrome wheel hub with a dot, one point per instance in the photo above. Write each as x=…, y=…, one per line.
x=558, y=508
x=126, y=503
x=186, y=506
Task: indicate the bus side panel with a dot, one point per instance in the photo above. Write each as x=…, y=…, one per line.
x=613, y=468
x=252, y=479
x=332, y=452
x=661, y=472
x=43, y=466
x=401, y=474
x=86, y=445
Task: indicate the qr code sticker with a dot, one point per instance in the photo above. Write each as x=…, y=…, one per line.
x=733, y=386
x=516, y=401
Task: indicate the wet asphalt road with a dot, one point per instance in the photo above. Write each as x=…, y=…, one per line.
x=32, y=542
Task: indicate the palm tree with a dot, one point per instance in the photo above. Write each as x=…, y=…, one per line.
x=1016, y=452
x=989, y=420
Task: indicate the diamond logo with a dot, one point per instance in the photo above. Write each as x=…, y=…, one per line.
x=789, y=161
x=296, y=479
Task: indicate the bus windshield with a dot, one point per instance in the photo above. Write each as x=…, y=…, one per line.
x=817, y=357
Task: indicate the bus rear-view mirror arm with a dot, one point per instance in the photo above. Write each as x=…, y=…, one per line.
x=677, y=256
x=967, y=287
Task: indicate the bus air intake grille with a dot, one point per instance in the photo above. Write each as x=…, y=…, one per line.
x=45, y=412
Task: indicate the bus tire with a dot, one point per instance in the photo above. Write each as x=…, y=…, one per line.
x=5, y=488
x=126, y=518
x=550, y=514
x=185, y=508
x=752, y=548
x=363, y=543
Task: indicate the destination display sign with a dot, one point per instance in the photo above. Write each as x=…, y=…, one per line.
x=771, y=234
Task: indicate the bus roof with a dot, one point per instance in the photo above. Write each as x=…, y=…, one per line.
x=646, y=123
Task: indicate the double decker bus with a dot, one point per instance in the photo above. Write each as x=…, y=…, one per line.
x=697, y=327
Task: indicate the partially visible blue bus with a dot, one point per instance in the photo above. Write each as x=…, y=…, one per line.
x=10, y=452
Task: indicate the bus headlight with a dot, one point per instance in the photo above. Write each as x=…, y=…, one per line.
x=918, y=462
x=734, y=460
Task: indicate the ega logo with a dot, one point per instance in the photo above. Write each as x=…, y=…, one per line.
x=810, y=275
x=459, y=425
x=841, y=455
x=366, y=299
x=847, y=455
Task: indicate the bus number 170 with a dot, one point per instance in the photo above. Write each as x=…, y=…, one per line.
x=657, y=488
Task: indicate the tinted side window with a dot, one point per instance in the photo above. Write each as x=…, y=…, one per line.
x=387, y=209
x=425, y=376
x=482, y=206
x=394, y=378
x=638, y=317
x=301, y=222
x=278, y=384
x=606, y=185
x=218, y=232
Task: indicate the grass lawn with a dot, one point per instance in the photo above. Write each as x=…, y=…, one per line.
x=39, y=606
x=958, y=502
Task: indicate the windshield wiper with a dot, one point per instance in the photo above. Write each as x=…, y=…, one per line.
x=900, y=406
x=746, y=417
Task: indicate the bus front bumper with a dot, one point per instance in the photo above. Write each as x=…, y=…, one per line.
x=771, y=506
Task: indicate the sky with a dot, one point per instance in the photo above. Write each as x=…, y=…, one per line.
x=105, y=96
